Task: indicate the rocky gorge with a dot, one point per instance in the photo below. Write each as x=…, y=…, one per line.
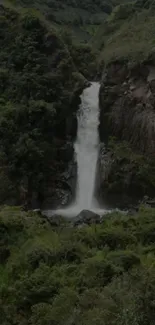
x=43, y=72
x=126, y=168
x=77, y=162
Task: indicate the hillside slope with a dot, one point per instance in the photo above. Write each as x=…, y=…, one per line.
x=81, y=18
x=128, y=32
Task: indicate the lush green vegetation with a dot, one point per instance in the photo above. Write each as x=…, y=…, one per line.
x=98, y=274
x=82, y=17
x=131, y=41
x=127, y=46
x=82, y=11
x=123, y=36
x=84, y=57
x=42, y=72
x=131, y=174
x=101, y=274
x=75, y=15
x=38, y=79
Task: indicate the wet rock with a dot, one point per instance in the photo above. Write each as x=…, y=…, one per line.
x=38, y=211
x=148, y=201
x=152, y=86
x=59, y=189
x=66, y=152
x=87, y=84
x=71, y=126
x=132, y=210
x=86, y=217
x=57, y=196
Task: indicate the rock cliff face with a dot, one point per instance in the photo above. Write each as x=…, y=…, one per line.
x=59, y=189
x=127, y=113
x=127, y=98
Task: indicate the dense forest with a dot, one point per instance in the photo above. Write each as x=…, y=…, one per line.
x=39, y=87
x=54, y=271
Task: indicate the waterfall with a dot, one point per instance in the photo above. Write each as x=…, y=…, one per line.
x=86, y=147
x=86, y=150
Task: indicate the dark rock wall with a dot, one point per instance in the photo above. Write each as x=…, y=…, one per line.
x=60, y=190
x=127, y=127
x=127, y=100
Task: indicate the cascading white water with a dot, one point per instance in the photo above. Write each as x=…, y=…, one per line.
x=86, y=150
x=86, y=147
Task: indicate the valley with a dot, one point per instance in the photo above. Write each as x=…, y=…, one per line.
x=77, y=162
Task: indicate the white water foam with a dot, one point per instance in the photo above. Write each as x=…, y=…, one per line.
x=86, y=150
x=87, y=146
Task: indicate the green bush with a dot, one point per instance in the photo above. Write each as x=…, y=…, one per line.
x=99, y=273
x=125, y=259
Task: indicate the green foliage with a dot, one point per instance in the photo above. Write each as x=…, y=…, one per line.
x=123, y=34
x=37, y=84
x=130, y=170
x=59, y=312
x=82, y=17
x=85, y=59
x=122, y=12
x=59, y=11
x=127, y=39
x=77, y=276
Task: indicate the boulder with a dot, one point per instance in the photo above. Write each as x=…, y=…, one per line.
x=86, y=217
